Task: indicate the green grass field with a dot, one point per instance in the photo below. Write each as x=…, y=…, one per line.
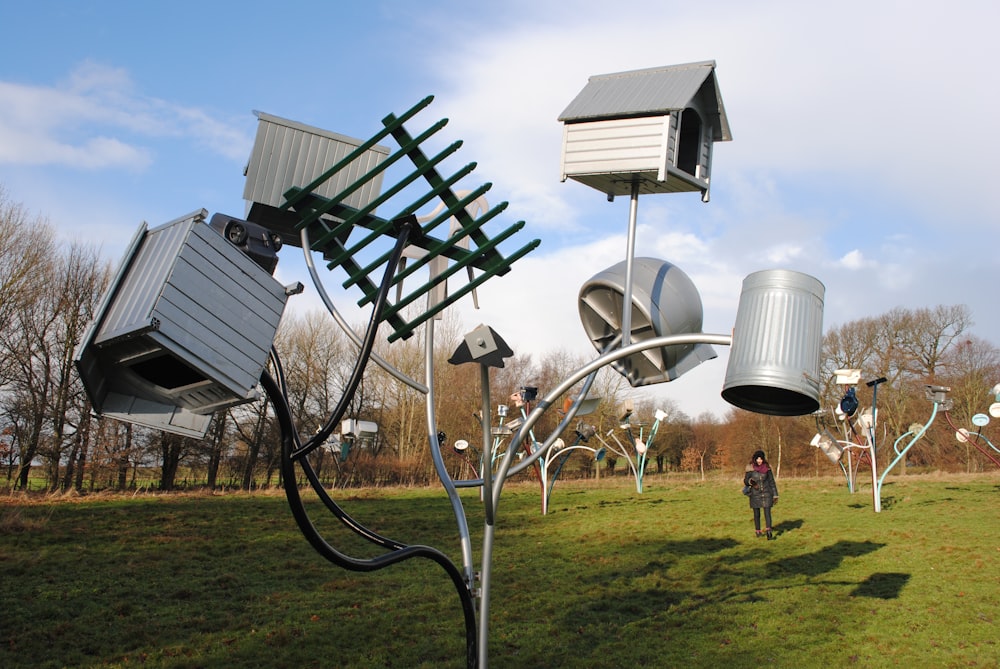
x=672, y=577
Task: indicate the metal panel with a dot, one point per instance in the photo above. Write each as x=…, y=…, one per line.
x=131, y=312
x=610, y=155
x=675, y=120
x=664, y=302
x=220, y=309
x=156, y=415
x=777, y=340
x=657, y=90
x=288, y=154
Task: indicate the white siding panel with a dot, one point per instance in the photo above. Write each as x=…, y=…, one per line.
x=213, y=308
x=618, y=145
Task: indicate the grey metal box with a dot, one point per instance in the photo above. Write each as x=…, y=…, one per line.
x=184, y=330
x=289, y=154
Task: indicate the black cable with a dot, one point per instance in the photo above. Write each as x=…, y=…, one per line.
x=293, y=450
x=404, y=227
x=314, y=481
x=328, y=552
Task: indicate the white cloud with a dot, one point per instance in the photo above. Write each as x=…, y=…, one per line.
x=853, y=260
x=838, y=132
x=97, y=120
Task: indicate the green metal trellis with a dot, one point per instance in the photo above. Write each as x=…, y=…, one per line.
x=329, y=223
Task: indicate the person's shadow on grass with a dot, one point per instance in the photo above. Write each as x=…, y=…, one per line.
x=789, y=525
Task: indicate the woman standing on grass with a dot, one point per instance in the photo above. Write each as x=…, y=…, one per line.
x=763, y=491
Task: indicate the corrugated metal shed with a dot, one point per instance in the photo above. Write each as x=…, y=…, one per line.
x=287, y=153
x=649, y=92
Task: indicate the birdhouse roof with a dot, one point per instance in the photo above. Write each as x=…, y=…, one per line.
x=650, y=92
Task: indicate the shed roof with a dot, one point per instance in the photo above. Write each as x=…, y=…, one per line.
x=651, y=91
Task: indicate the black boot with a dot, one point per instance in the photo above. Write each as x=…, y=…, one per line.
x=770, y=537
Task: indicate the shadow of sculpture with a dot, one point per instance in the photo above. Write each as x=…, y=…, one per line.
x=881, y=586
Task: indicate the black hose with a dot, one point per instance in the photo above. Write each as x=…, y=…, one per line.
x=405, y=227
x=328, y=552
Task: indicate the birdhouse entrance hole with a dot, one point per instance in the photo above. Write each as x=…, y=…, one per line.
x=689, y=143
x=168, y=372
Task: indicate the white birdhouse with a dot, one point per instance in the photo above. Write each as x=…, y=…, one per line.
x=653, y=127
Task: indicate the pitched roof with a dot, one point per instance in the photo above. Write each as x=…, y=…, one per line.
x=652, y=91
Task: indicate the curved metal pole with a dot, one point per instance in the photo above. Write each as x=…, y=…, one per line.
x=612, y=356
x=916, y=438
x=506, y=470
x=456, y=502
x=491, y=499
x=621, y=450
x=644, y=457
x=562, y=461
x=847, y=476
x=567, y=419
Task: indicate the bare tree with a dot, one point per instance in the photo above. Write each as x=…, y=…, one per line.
x=28, y=344
x=926, y=335
x=26, y=248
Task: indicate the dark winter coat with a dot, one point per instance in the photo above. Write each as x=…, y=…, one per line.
x=763, y=489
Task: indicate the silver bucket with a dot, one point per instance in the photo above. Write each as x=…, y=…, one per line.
x=774, y=359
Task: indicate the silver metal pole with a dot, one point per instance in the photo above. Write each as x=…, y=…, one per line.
x=456, y=502
x=629, y=255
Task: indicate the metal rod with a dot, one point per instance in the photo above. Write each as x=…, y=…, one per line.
x=456, y=502
x=629, y=256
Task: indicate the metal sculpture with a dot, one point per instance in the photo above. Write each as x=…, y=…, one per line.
x=636, y=453
x=859, y=429
x=333, y=215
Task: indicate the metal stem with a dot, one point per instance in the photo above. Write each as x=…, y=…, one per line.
x=629, y=256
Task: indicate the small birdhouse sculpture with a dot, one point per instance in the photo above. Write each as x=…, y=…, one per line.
x=653, y=127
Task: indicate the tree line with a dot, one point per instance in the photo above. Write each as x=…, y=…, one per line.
x=50, y=438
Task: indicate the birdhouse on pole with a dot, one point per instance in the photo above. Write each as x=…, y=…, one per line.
x=653, y=127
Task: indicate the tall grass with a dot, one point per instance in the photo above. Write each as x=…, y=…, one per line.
x=672, y=577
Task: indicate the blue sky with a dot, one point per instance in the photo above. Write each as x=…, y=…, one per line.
x=863, y=147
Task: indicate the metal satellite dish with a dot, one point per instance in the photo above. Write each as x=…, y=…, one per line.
x=980, y=420
x=962, y=435
x=995, y=409
x=664, y=302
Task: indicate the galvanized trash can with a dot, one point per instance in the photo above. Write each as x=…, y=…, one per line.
x=774, y=359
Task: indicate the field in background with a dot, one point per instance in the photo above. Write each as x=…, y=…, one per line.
x=610, y=578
